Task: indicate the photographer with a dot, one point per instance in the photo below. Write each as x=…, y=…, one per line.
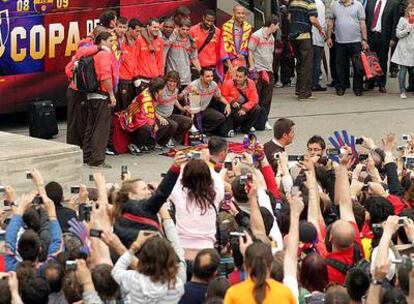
x=28, y=246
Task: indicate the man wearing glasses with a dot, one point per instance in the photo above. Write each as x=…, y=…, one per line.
x=316, y=146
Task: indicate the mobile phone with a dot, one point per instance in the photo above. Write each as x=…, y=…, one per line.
x=243, y=180
x=296, y=158
x=228, y=165
x=333, y=152
x=95, y=233
x=85, y=212
x=359, y=141
x=29, y=175
x=362, y=157
x=37, y=200
x=91, y=179
x=70, y=265
x=124, y=170
x=2, y=189
x=236, y=234
x=295, y=190
x=409, y=162
x=401, y=220
x=406, y=137
x=74, y=189
x=196, y=155
x=2, y=242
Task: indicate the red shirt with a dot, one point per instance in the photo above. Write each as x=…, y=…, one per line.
x=127, y=71
x=231, y=93
x=208, y=56
x=149, y=65
x=106, y=67
x=345, y=256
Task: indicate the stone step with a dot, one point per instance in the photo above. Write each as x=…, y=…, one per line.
x=56, y=161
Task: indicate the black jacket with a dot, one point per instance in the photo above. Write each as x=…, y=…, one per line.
x=127, y=229
x=270, y=149
x=64, y=215
x=389, y=19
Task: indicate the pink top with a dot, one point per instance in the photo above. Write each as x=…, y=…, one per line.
x=196, y=231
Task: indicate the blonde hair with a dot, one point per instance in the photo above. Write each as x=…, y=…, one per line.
x=410, y=6
x=123, y=196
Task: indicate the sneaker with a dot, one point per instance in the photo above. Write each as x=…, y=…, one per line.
x=230, y=133
x=278, y=85
x=145, y=149
x=252, y=129
x=268, y=126
x=403, y=95
x=109, y=151
x=170, y=144
x=158, y=147
x=134, y=150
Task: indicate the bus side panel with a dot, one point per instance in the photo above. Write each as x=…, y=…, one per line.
x=159, y=8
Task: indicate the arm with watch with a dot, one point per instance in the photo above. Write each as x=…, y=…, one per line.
x=364, y=40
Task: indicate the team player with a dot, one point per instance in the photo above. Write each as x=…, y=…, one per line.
x=99, y=104
x=206, y=36
x=261, y=50
x=149, y=53
x=76, y=101
x=182, y=52
x=126, y=88
x=234, y=44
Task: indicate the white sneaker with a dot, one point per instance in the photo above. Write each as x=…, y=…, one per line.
x=252, y=129
x=268, y=126
x=403, y=95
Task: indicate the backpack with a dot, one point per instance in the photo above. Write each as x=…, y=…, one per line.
x=358, y=262
x=84, y=75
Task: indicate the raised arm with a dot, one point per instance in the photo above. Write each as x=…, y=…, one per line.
x=342, y=187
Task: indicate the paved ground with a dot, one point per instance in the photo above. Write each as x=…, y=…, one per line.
x=373, y=115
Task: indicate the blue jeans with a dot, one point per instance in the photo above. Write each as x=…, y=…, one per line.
x=402, y=76
x=317, y=59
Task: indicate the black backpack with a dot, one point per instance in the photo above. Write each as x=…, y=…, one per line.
x=84, y=75
x=358, y=262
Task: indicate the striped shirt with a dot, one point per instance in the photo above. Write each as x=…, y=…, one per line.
x=300, y=11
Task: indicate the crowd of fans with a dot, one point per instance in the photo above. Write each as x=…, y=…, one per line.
x=329, y=226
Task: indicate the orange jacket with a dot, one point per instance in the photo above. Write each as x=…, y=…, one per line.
x=149, y=65
x=127, y=70
x=231, y=93
x=106, y=67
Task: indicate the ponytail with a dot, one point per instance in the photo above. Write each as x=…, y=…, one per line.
x=259, y=274
x=258, y=260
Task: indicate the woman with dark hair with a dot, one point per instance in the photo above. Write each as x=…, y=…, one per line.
x=161, y=270
x=196, y=198
x=313, y=273
x=259, y=288
x=140, y=120
x=165, y=103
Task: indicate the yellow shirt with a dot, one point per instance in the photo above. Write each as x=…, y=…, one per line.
x=242, y=293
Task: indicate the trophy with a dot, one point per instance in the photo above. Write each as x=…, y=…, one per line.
x=195, y=136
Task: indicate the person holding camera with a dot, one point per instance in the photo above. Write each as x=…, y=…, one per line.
x=27, y=246
x=136, y=208
x=196, y=197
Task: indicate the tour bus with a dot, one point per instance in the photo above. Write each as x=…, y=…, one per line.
x=38, y=38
